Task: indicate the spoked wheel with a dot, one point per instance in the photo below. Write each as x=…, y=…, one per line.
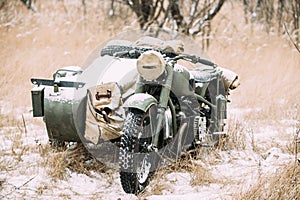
x=137, y=163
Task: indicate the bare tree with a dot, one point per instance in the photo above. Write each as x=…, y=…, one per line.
x=173, y=13
x=274, y=14
x=30, y=4
x=296, y=15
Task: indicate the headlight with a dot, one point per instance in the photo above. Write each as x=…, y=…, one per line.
x=151, y=65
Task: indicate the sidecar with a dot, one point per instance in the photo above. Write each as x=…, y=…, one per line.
x=64, y=100
x=53, y=100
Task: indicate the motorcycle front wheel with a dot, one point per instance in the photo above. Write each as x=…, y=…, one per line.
x=135, y=159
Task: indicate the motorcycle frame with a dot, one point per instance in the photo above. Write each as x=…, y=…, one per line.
x=163, y=103
x=217, y=104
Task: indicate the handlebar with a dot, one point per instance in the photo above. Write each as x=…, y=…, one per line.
x=135, y=52
x=194, y=59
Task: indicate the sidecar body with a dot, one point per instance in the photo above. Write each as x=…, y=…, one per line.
x=63, y=101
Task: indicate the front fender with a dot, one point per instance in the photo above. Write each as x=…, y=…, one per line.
x=140, y=101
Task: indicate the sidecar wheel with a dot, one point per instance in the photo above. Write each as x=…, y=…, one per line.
x=135, y=162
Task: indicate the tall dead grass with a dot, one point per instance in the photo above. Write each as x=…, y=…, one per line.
x=62, y=33
x=198, y=172
x=61, y=162
x=268, y=65
x=284, y=184
x=237, y=137
x=37, y=44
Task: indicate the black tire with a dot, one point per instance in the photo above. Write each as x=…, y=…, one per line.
x=134, y=159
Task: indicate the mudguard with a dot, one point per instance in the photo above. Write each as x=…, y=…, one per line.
x=140, y=101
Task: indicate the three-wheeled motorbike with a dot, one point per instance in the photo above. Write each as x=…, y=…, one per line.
x=139, y=101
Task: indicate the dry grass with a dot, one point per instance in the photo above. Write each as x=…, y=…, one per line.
x=283, y=185
x=157, y=186
x=35, y=45
x=189, y=163
x=236, y=139
x=38, y=44
x=267, y=64
x=200, y=176
x=12, y=155
x=60, y=162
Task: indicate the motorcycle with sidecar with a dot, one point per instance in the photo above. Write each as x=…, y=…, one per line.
x=139, y=101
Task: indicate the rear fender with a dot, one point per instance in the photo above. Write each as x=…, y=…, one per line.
x=140, y=101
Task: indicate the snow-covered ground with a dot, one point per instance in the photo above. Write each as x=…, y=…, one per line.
x=231, y=171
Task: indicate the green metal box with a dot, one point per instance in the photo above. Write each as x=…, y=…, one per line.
x=37, y=97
